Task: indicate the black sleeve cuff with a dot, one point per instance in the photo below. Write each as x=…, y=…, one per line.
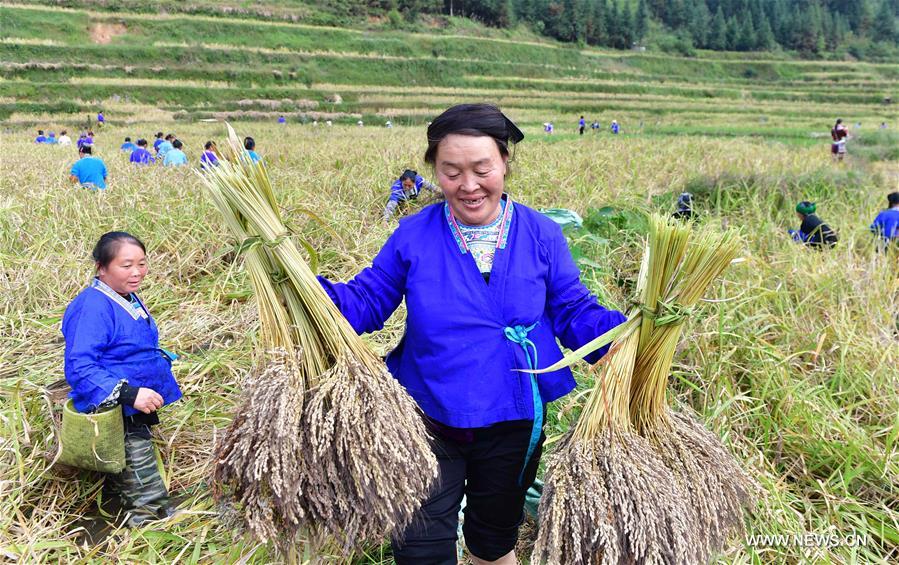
x=127, y=395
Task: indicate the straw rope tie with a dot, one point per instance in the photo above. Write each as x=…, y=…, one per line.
x=665, y=314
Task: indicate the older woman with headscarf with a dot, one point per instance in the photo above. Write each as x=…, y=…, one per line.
x=487, y=296
x=812, y=231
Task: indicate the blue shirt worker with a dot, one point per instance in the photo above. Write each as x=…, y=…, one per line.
x=615, y=127
x=165, y=146
x=41, y=138
x=140, y=155
x=101, y=120
x=159, y=139
x=51, y=138
x=175, y=157
x=489, y=286
x=886, y=224
x=88, y=171
x=406, y=188
x=128, y=146
x=250, y=145
x=282, y=120
x=209, y=158
x=581, y=125
x=112, y=357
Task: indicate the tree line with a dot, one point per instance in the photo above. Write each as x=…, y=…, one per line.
x=807, y=26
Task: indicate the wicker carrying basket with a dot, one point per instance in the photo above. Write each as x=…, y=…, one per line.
x=95, y=441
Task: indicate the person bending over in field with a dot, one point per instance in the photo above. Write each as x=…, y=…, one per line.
x=88, y=171
x=175, y=157
x=128, y=146
x=489, y=286
x=684, y=207
x=210, y=155
x=112, y=357
x=406, y=188
x=165, y=146
x=41, y=138
x=250, y=145
x=886, y=224
x=64, y=138
x=812, y=232
x=51, y=138
x=158, y=141
x=140, y=155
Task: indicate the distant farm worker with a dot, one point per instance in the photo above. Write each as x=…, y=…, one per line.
x=684, y=207
x=175, y=157
x=64, y=138
x=165, y=146
x=489, y=286
x=210, y=156
x=838, y=134
x=615, y=127
x=581, y=125
x=128, y=146
x=41, y=138
x=140, y=155
x=388, y=124
x=101, y=120
x=406, y=188
x=51, y=138
x=159, y=139
x=812, y=232
x=88, y=171
x=250, y=145
x=594, y=126
x=282, y=120
x=112, y=357
x=548, y=127
x=360, y=123
x=886, y=224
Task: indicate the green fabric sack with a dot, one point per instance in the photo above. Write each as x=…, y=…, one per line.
x=95, y=441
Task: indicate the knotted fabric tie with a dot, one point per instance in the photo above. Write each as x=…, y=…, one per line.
x=519, y=334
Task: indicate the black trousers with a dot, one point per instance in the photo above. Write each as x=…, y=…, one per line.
x=484, y=465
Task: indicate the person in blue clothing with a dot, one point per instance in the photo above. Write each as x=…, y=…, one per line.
x=489, y=286
x=165, y=146
x=250, y=145
x=615, y=127
x=51, y=138
x=210, y=156
x=886, y=224
x=140, y=155
x=406, y=188
x=128, y=146
x=88, y=171
x=282, y=120
x=112, y=357
x=41, y=138
x=175, y=157
x=101, y=119
x=159, y=139
x=581, y=125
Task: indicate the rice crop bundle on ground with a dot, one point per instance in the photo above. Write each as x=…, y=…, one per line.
x=627, y=485
x=324, y=440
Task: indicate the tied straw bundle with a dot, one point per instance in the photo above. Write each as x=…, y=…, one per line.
x=324, y=441
x=634, y=481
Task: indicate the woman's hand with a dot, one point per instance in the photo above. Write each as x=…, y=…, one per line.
x=148, y=400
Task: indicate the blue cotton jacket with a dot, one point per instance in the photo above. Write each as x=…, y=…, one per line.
x=454, y=358
x=108, y=340
x=398, y=193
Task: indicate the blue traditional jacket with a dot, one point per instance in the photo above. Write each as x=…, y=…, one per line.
x=399, y=193
x=109, y=340
x=886, y=224
x=455, y=358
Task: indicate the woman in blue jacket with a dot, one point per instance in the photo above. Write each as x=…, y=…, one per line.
x=489, y=294
x=113, y=357
x=406, y=188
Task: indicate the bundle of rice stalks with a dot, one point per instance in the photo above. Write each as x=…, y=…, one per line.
x=635, y=481
x=324, y=440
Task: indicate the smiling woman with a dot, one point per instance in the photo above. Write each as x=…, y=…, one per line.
x=489, y=286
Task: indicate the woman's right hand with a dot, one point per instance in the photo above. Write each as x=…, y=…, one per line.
x=148, y=400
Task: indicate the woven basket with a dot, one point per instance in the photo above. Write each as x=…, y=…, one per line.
x=95, y=441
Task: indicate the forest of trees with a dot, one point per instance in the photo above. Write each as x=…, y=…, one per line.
x=806, y=26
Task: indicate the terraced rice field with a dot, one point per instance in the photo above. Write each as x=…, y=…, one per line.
x=792, y=362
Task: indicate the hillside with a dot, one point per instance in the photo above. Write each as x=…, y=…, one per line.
x=74, y=61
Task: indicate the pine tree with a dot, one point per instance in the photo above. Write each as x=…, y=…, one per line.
x=766, y=36
x=733, y=33
x=745, y=40
x=884, y=27
x=718, y=32
x=700, y=19
x=641, y=22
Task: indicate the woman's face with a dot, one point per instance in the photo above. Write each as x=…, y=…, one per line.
x=471, y=170
x=126, y=271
